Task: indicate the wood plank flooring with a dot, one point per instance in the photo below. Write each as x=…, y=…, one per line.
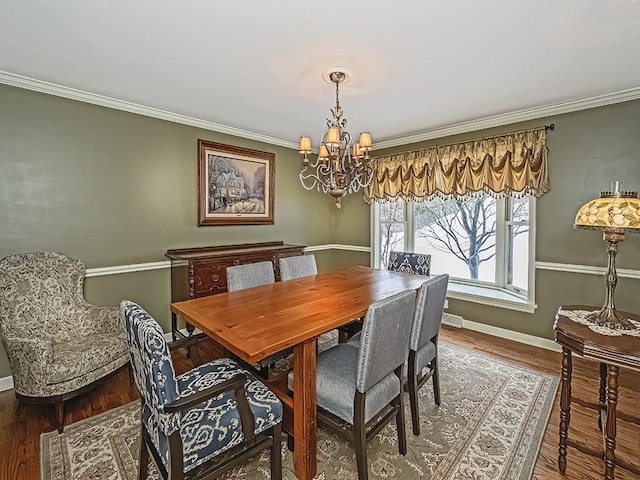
x=20, y=434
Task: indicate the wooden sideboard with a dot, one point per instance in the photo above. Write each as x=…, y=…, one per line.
x=199, y=272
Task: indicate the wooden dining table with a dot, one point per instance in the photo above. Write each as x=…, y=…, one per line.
x=258, y=322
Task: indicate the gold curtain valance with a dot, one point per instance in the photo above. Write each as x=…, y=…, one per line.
x=514, y=164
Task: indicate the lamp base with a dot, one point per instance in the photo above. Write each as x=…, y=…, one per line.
x=609, y=318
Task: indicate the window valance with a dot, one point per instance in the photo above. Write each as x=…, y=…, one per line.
x=514, y=164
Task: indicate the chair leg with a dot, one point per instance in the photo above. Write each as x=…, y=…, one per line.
x=402, y=433
x=276, y=453
x=143, y=460
x=19, y=408
x=436, y=381
x=59, y=409
x=360, y=436
x=412, y=381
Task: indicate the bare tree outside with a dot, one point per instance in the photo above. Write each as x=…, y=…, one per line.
x=465, y=227
x=391, y=228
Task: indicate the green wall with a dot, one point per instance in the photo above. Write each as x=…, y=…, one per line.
x=587, y=150
x=114, y=188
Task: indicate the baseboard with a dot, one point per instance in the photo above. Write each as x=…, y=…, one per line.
x=6, y=383
x=452, y=320
x=512, y=335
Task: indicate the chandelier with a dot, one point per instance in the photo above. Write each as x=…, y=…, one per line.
x=342, y=166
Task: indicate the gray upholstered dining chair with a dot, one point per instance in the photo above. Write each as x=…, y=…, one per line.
x=418, y=263
x=241, y=277
x=423, y=345
x=304, y=266
x=202, y=423
x=422, y=362
x=58, y=345
x=359, y=383
x=298, y=266
x=249, y=275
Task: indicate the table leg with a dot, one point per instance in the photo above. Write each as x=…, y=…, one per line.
x=174, y=326
x=610, y=432
x=304, y=409
x=602, y=394
x=565, y=408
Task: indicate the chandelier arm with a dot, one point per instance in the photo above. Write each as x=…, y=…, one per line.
x=303, y=181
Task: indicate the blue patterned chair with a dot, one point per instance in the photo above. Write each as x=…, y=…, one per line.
x=407, y=262
x=58, y=345
x=361, y=384
x=203, y=422
x=423, y=346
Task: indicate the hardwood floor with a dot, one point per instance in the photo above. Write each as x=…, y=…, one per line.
x=20, y=434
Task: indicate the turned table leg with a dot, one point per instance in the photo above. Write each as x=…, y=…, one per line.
x=565, y=408
x=610, y=429
x=602, y=394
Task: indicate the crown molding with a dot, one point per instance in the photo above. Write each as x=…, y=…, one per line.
x=514, y=117
x=81, y=96
x=20, y=81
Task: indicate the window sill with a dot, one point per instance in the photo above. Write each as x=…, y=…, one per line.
x=489, y=296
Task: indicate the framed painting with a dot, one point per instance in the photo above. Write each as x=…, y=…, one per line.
x=235, y=185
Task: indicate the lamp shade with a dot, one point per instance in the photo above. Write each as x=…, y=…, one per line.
x=610, y=212
x=333, y=136
x=305, y=145
x=323, y=153
x=365, y=140
x=355, y=153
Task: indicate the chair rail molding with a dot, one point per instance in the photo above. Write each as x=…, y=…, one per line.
x=567, y=267
x=136, y=267
x=142, y=267
x=337, y=246
x=559, y=267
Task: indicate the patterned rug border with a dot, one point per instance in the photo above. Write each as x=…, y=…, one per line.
x=528, y=463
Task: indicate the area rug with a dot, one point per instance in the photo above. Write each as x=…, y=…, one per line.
x=489, y=426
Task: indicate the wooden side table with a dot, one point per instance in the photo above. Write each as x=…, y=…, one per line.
x=612, y=352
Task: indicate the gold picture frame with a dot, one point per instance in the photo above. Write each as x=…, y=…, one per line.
x=236, y=185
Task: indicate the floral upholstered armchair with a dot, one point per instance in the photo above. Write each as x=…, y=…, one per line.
x=58, y=345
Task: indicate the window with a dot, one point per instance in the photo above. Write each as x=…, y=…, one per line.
x=485, y=244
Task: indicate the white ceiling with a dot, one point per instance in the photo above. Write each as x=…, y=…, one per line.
x=256, y=65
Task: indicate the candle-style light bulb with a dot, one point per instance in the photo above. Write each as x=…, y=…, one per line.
x=616, y=186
